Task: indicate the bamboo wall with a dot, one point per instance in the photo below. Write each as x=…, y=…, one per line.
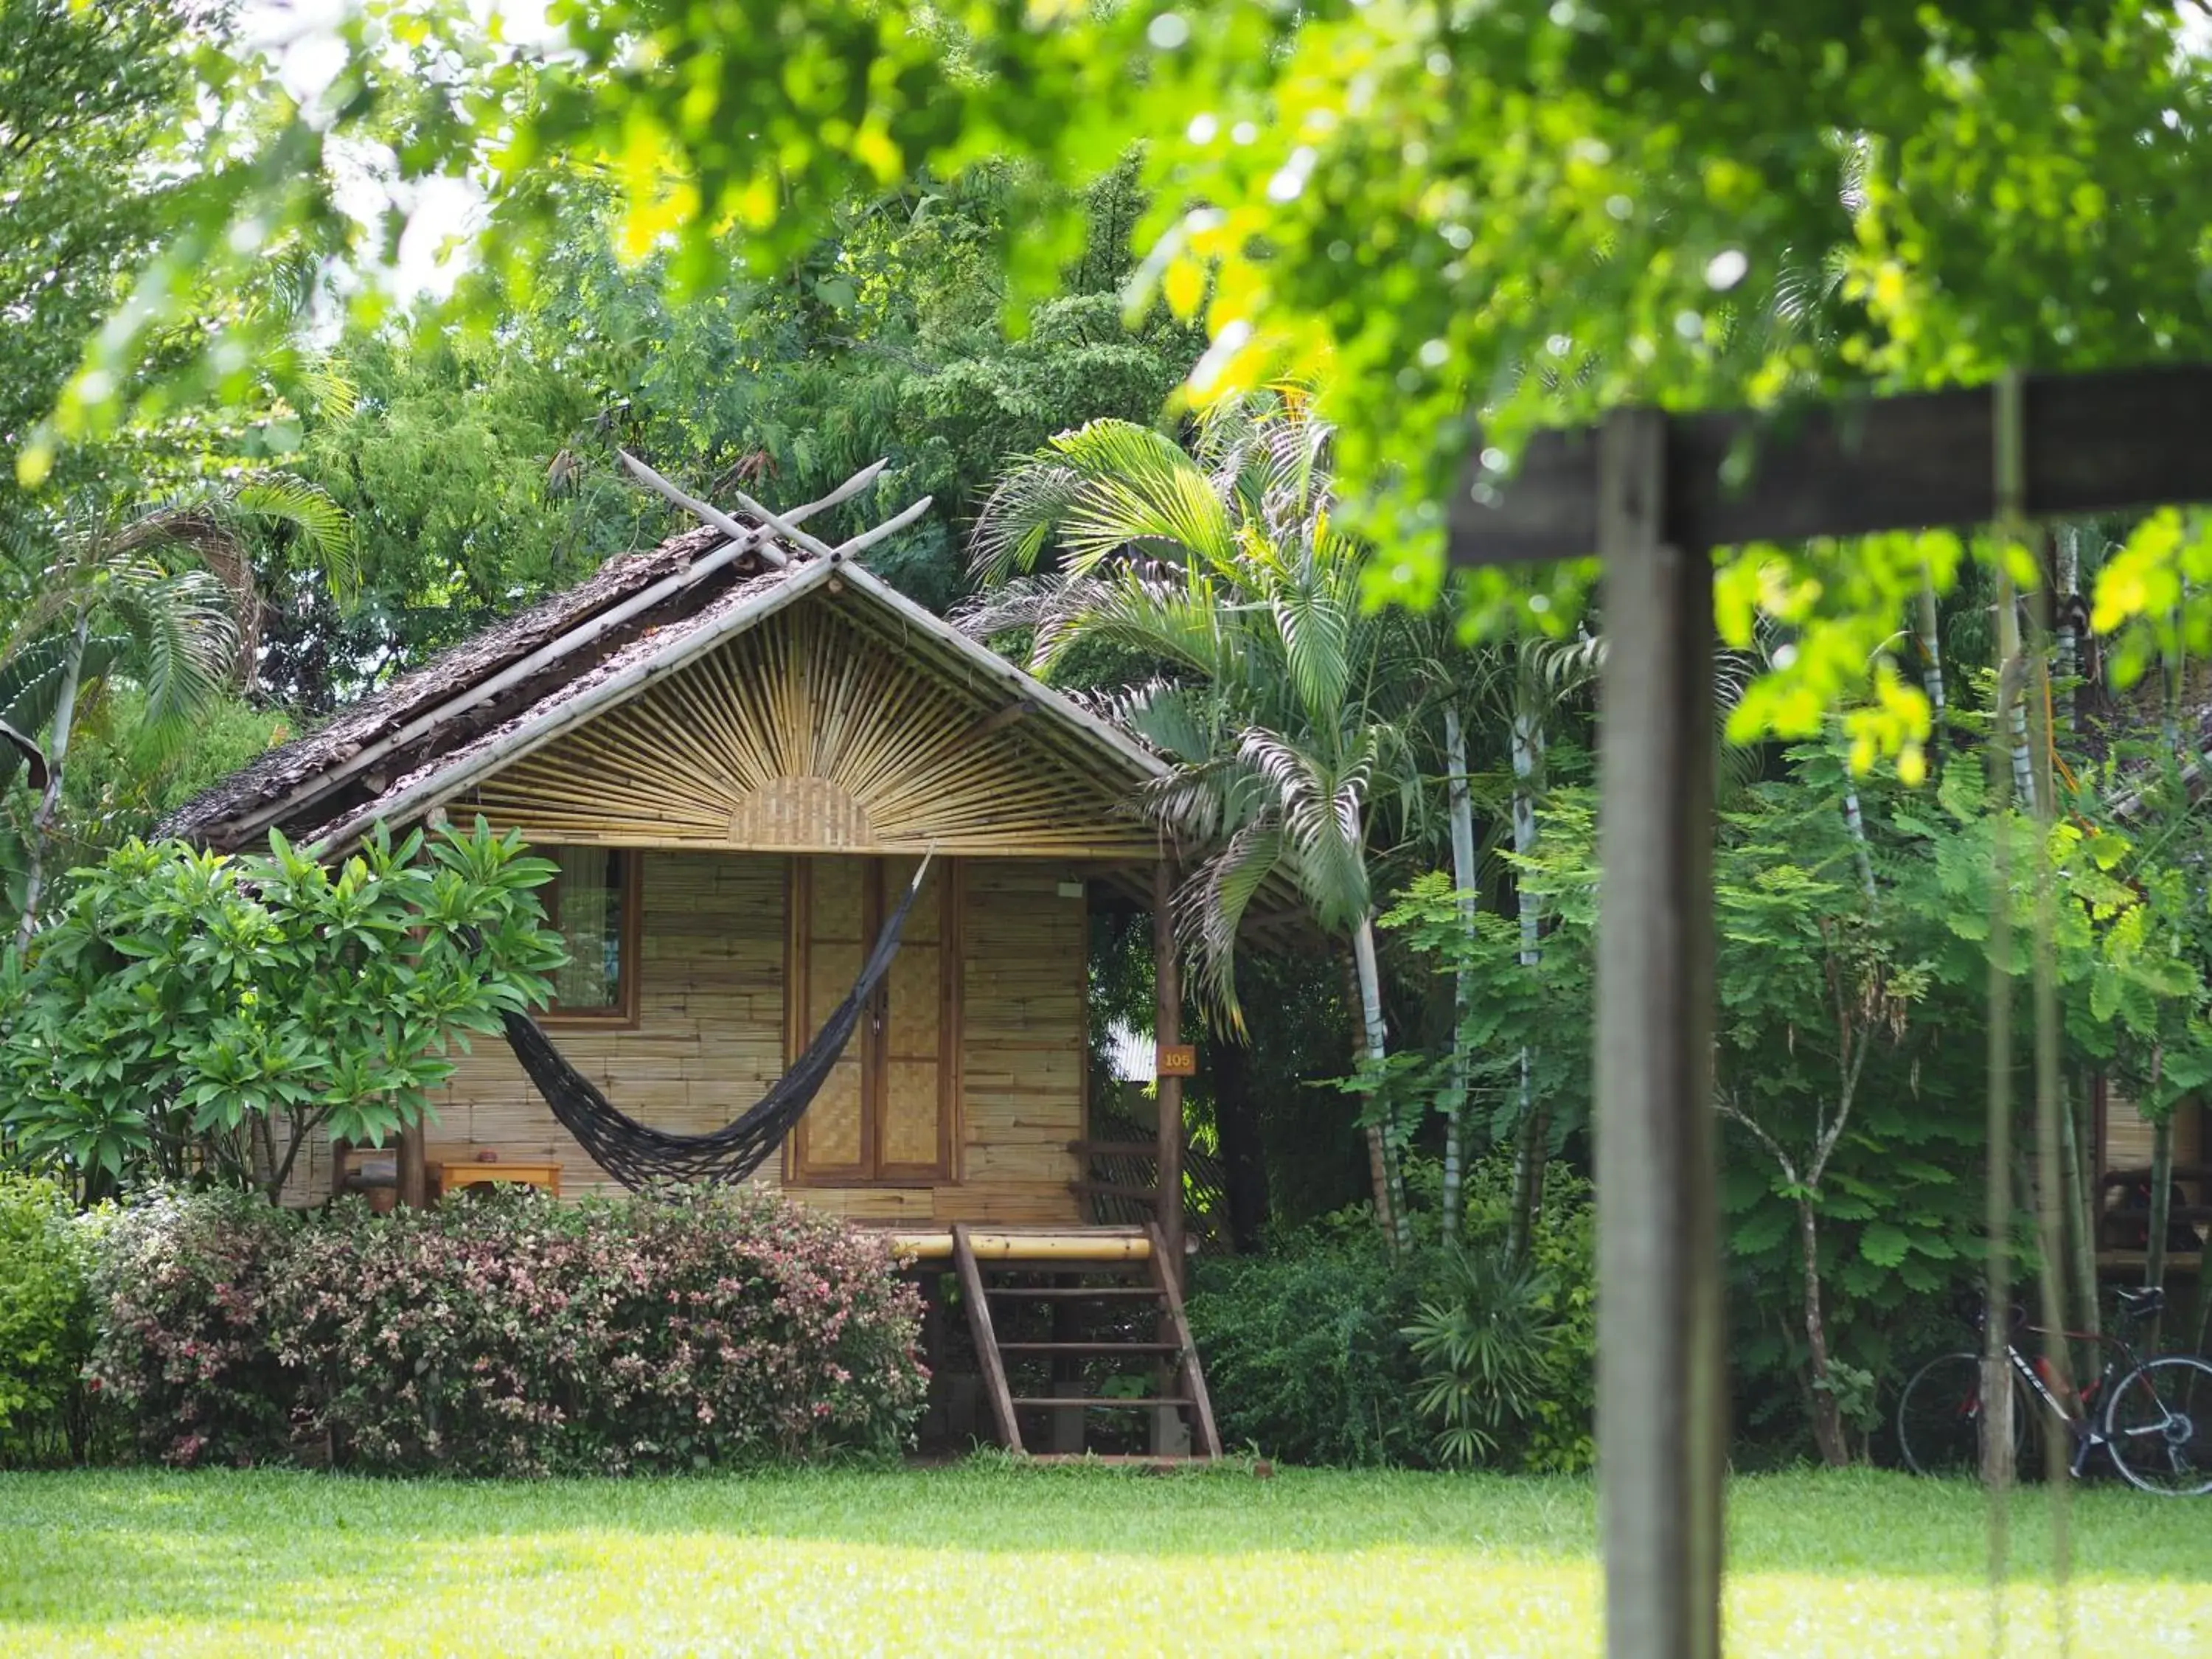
x=2128, y=1134
x=711, y=1036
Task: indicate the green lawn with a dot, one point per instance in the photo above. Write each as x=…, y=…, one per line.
x=987, y=1559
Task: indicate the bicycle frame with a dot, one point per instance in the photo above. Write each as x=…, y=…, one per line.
x=2088, y=1438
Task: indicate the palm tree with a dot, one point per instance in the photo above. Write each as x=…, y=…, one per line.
x=1284, y=707
x=162, y=597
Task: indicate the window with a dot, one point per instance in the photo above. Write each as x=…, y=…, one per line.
x=593, y=905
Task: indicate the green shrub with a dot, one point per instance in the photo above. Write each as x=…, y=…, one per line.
x=506, y=1334
x=1483, y=1338
x=1312, y=1352
x=1303, y=1351
x=196, y=1015
x=1555, y=1436
x=46, y=1323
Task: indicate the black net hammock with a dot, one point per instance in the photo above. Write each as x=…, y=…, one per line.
x=642, y=1157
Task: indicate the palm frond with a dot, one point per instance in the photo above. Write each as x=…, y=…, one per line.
x=1020, y=518
x=1211, y=907
x=17, y=751
x=1142, y=492
x=1316, y=637
x=184, y=634
x=1322, y=812
x=319, y=522
x=1139, y=608
x=1176, y=719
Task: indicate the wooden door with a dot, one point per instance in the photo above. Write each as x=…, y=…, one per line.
x=885, y=1115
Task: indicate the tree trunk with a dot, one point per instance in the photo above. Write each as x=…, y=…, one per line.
x=2170, y=689
x=2070, y=585
x=1378, y=1157
x=1997, y=1402
x=2011, y=665
x=1400, y=1223
x=1827, y=1417
x=2161, y=1214
x=1463, y=878
x=1855, y=822
x=1531, y=1134
x=1996, y=1224
x=2081, y=1230
x=50, y=801
x=1243, y=1159
x=1931, y=659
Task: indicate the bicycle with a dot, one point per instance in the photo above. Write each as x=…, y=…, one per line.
x=2152, y=1417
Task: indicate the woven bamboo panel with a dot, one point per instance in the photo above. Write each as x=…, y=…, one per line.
x=709, y=1035
x=2128, y=1134
x=1022, y=1045
x=806, y=733
x=309, y=1181
x=712, y=1035
x=832, y=1140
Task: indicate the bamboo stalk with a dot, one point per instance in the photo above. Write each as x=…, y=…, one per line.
x=2082, y=1231
x=1463, y=878
x=2050, y=1181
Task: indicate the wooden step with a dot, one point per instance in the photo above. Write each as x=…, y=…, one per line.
x=1160, y=1462
x=1178, y=1367
x=1072, y=1292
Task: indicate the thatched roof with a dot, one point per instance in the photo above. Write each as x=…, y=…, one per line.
x=397, y=755
x=216, y=817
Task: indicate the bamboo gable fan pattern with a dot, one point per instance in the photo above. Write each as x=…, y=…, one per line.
x=810, y=731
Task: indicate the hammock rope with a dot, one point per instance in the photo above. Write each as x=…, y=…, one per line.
x=642, y=1157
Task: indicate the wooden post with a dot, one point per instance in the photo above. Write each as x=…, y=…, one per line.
x=413, y=1174
x=1167, y=1023
x=1167, y=1436
x=1660, y=1413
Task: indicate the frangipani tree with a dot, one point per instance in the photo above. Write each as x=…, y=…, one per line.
x=1288, y=710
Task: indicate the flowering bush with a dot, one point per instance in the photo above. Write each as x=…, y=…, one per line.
x=510, y=1334
x=181, y=1288
x=212, y=1015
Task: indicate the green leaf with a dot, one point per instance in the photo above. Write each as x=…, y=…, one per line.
x=1884, y=1245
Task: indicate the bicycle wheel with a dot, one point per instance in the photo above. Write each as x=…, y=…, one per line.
x=2158, y=1425
x=1939, y=1417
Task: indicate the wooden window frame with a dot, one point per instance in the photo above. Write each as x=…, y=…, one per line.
x=628, y=947
x=799, y=875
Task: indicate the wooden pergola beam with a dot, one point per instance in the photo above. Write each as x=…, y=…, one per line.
x=2091, y=443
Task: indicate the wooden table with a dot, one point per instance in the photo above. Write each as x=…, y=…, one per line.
x=451, y=1176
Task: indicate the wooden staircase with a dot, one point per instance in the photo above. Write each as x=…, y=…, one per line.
x=1118, y=1275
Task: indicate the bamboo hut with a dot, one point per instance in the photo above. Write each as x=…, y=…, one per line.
x=737, y=747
